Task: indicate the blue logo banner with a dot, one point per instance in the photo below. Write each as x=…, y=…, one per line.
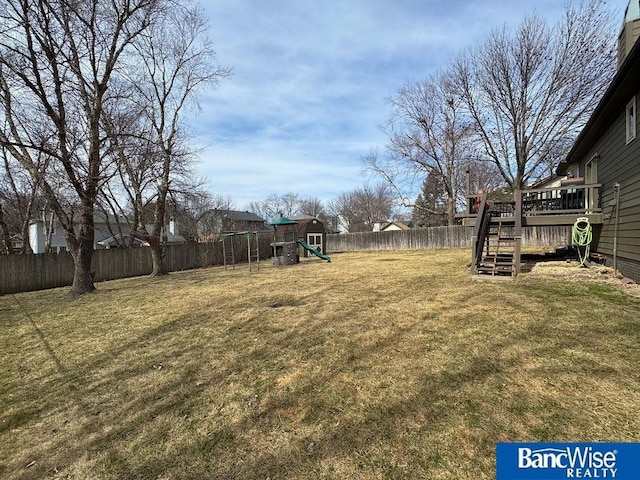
x=554, y=461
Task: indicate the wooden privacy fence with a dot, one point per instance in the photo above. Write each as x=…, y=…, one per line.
x=438, y=237
x=23, y=273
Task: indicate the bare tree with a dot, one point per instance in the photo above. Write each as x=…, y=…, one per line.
x=287, y=205
x=177, y=60
x=429, y=135
x=261, y=209
x=191, y=208
x=358, y=210
x=19, y=194
x=530, y=89
x=313, y=207
x=205, y=214
x=275, y=205
x=57, y=62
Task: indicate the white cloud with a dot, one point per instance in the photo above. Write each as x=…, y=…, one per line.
x=310, y=82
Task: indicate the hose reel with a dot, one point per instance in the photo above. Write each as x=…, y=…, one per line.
x=581, y=236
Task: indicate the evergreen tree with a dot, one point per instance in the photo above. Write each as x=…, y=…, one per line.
x=430, y=208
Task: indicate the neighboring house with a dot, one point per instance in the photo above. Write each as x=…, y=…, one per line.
x=105, y=227
x=169, y=235
x=397, y=225
x=110, y=232
x=218, y=221
x=607, y=152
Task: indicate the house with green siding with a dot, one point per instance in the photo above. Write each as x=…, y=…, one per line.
x=607, y=152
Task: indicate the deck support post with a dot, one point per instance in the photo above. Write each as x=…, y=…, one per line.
x=517, y=216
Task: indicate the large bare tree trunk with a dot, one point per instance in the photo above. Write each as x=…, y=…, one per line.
x=157, y=258
x=82, y=274
x=81, y=249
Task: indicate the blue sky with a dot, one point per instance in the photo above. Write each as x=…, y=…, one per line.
x=311, y=81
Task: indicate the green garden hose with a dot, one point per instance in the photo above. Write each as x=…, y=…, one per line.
x=581, y=236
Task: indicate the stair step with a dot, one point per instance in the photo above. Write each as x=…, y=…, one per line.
x=496, y=273
x=497, y=261
x=501, y=256
x=502, y=268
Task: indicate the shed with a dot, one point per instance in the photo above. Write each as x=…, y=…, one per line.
x=311, y=230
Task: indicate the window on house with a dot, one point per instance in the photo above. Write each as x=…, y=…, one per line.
x=631, y=120
x=591, y=171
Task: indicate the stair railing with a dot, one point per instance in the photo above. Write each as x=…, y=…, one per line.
x=480, y=230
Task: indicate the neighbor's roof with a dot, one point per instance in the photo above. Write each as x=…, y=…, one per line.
x=98, y=218
x=623, y=86
x=543, y=182
x=164, y=232
x=117, y=238
x=400, y=225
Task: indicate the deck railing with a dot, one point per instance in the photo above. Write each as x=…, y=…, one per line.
x=573, y=199
x=561, y=200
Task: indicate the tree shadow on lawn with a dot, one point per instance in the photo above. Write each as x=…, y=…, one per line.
x=258, y=429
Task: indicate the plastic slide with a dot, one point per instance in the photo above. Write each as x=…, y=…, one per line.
x=313, y=250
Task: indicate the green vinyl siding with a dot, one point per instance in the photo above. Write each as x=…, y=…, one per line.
x=618, y=162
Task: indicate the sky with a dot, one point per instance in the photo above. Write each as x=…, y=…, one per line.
x=311, y=82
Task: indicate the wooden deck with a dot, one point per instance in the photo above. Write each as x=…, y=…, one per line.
x=536, y=207
x=545, y=206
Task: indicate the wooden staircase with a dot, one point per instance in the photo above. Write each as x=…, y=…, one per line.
x=496, y=252
x=498, y=257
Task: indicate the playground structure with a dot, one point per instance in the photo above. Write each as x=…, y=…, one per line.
x=253, y=249
x=284, y=247
x=287, y=242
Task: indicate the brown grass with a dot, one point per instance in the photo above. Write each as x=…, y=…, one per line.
x=377, y=365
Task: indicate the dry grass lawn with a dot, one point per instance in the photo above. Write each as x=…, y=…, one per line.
x=391, y=365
